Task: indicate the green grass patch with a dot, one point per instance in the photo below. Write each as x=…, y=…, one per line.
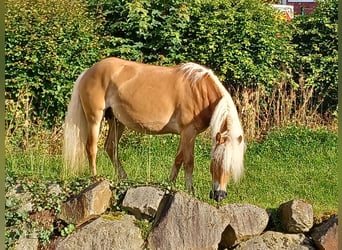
x=290, y=163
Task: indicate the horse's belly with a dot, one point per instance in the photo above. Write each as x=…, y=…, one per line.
x=152, y=119
x=148, y=125
x=145, y=106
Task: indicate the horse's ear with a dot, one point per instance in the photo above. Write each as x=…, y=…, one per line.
x=220, y=139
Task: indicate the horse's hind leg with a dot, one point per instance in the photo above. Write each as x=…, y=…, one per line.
x=115, y=131
x=91, y=147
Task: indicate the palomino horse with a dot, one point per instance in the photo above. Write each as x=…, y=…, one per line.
x=185, y=99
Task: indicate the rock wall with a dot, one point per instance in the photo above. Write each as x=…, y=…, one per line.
x=179, y=221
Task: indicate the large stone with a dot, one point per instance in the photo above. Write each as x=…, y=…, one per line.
x=24, y=196
x=91, y=202
x=325, y=235
x=103, y=234
x=143, y=202
x=296, y=216
x=186, y=223
x=245, y=222
x=274, y=240
x=55, y=189
x=27, y=244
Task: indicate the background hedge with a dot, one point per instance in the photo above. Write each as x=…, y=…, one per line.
x=50, y=42
x=316, y=39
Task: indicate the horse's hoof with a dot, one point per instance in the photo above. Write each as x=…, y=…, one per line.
x=191, y=190
x=218, y=195
x=122, y=176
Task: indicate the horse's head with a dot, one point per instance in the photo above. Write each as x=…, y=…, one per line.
x=226, y=158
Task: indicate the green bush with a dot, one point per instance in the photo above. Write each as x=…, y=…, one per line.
x=143, y=30
x=48, y=44
x=316, y=42
x=243, y=41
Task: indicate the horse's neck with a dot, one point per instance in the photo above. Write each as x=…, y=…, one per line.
x=206, y=95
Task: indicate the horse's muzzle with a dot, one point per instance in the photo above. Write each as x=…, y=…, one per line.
x=218, y=195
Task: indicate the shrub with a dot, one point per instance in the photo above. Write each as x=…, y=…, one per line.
x=316, y=42
x=144, y=30
x=243, y=41
x=48, y=43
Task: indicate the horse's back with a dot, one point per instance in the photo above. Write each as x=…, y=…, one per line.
x=124, y=74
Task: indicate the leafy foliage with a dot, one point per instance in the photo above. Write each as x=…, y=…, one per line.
x=244, y=42
x=317, y=53
x=149, y=31
x=41, y=222
x=67, y=230
x=14, y=218
x=48, y=43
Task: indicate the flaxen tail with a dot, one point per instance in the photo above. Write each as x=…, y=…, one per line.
x=75, y=135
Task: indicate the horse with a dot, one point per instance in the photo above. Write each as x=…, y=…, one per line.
x=183, y=99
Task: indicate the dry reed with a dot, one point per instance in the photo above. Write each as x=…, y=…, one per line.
x=284, y=105
x=24, y=133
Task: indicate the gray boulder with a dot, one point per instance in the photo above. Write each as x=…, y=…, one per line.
x=296, y=216
x=325, y=235
x=27, y=244
x=91, y=202
x=245, y=222
x=187, y=223
x=24, y=196
x=275, y=240
x=102, y=234
x=143, y=202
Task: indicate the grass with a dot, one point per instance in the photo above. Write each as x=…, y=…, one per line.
x=290, y=163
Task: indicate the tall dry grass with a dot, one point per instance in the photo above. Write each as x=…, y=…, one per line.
x=284, y=105
x=26, y=134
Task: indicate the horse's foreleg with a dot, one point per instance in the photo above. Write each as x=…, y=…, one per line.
x=185, y=155
x=115, y=131
x=189, y=163
x=177, y=164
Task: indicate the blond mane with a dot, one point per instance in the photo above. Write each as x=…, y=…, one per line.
x=194, y=72
x=233, y=150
